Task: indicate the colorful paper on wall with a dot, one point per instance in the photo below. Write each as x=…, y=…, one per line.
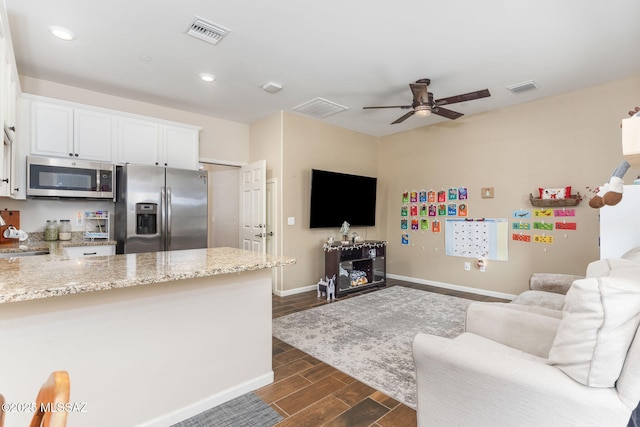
x=453, y=194
x=415, y=224
x=543, y=226
x=414, y=210
x=463, y=209
x=404, y=210
x=442, y=196
x=442, y=209
x=405, y=239
x=414, y=197
x=423, y=210
x=435, y=226
x=566, y=226
x=462, y=193
x=423, y=196
x=452, y=209
x=521, y=237
x=542, y=212
x=424, y=224
x=404, y=224
x=543, y=239
x=522, y=214
x=564, y=212
x=521, y=226
x=405, y=197
x=431, y=196
x=433, y=210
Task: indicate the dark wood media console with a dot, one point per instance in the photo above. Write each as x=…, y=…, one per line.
x=356, y=266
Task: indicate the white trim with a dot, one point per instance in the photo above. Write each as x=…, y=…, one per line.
x=221, y=162
x=452, y=287
x=284, y=293
x=209, y=402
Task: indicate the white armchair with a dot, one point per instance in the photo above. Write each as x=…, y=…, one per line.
x=516, y=367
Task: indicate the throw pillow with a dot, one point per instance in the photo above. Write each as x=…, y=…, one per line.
x=604, y=267
x=600, y=318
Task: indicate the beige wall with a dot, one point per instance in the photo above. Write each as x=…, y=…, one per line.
x=310, y=144
x=571, y=139
x=219, y=139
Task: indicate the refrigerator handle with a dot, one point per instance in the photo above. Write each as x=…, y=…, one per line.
x=163, y=219
x=168, y=235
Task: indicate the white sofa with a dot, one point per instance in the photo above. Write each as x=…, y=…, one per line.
x=541, y=360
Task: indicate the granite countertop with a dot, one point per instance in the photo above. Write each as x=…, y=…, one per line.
x=32, y=244
x=43, y=276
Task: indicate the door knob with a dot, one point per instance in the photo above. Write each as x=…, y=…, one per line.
x=260, y=235
x=270, y=233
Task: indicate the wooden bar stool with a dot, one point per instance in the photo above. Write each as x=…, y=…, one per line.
x=55, y=391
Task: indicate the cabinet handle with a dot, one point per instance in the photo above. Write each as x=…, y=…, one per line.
x=157, y=163
x=76, y=154
x=12, y=128
x=70, y=154
x=89, y=253
x=16, y=190
x=6, y=180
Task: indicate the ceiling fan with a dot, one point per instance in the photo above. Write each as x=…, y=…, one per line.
x=423, y=103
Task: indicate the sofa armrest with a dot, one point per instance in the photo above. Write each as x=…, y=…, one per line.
x=464, y=385
x=529, y=329
x=552, y=282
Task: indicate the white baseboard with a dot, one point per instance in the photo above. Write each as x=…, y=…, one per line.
x=209, y=402
x=452, y=287
x=412, y=280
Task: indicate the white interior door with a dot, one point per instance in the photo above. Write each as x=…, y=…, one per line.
x=272, y=228
x=253, y=211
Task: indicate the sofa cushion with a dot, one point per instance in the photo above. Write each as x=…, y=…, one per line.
x=549, y=300
x=604, y=267
x=632, y=255
x=600, y=318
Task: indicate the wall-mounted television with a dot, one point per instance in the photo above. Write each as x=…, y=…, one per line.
x=338, y=197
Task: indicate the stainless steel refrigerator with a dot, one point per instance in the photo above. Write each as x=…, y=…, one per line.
x=160, y=209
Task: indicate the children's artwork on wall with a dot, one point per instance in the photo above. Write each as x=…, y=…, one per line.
x=423, y=210
x=564, y=212
x=414, y=210
x=519, y=237
x=424, y=224
x=431, y=196
x=462, y=209
x=442, y=196
x=415, y=224
x=453, y=194
x=442, y=209
x=404, y=224
x=462, y=193
x=477, y=238
x=433, y=210
x=404, y=210
x=405, y=239
x=566, y=225
x=543, y=239
x=542, y=212
x=423, y=196
x=522, y=214
x=435, y=226
x=521, y=226
x=413, y=198
x=543, y=226
x=405, y=197
x=452, y=209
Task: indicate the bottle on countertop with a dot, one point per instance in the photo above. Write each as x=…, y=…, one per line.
x=64, y=231
x=51, y=230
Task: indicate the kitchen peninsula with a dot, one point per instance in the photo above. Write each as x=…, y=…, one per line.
x=148, y=339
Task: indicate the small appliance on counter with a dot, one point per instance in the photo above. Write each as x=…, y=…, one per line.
x=10, y=221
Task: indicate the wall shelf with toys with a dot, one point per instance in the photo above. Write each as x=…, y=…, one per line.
x=573, y=200
x=356, y=266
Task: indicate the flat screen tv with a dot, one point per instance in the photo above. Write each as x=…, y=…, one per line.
x=338, y=197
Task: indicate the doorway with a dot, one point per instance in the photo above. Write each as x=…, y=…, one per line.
x=224, y=201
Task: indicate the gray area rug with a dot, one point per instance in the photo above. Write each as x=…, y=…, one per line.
x=369, y=337
x=247, y=410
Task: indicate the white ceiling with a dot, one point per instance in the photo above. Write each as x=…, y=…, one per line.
x=354, y=53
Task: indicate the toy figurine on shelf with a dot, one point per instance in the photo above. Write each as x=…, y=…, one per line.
x=345, y=232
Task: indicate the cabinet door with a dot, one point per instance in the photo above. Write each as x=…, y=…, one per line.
x=138, y=141
x=92, y=135
x=180, y=147
x=51, y=129
x=84, y=251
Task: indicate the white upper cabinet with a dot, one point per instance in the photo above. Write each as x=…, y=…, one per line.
x=138, y=141
x=65, y=129
x=180, y=147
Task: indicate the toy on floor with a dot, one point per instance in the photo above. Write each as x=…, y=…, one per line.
x=327, y=287
x=610, y=194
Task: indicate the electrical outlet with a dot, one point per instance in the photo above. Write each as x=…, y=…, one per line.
x=467, y=266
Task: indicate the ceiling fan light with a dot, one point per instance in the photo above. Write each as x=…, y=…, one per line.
x=422, y=111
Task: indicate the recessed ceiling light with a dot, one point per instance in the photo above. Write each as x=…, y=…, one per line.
x=206, y=77
x=62, y=33
x=272, y=87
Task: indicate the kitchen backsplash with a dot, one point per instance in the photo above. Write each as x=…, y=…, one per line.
x=34, y=213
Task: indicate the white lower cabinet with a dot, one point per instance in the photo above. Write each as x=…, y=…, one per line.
x=84, y=251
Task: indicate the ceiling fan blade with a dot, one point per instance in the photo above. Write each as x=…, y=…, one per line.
x=419, y=91
x=403, y=118
x=449, y=114
x=388, y=106
x=464, y=97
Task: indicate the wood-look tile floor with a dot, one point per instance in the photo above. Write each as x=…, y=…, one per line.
x=308, y=392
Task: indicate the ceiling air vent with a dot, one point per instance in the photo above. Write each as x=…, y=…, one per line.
x=319, y=108
x=207, y=31
x=521, y=87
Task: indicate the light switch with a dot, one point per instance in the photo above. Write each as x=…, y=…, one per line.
x=291, y=220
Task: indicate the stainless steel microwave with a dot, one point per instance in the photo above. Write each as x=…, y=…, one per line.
x=69, y=178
